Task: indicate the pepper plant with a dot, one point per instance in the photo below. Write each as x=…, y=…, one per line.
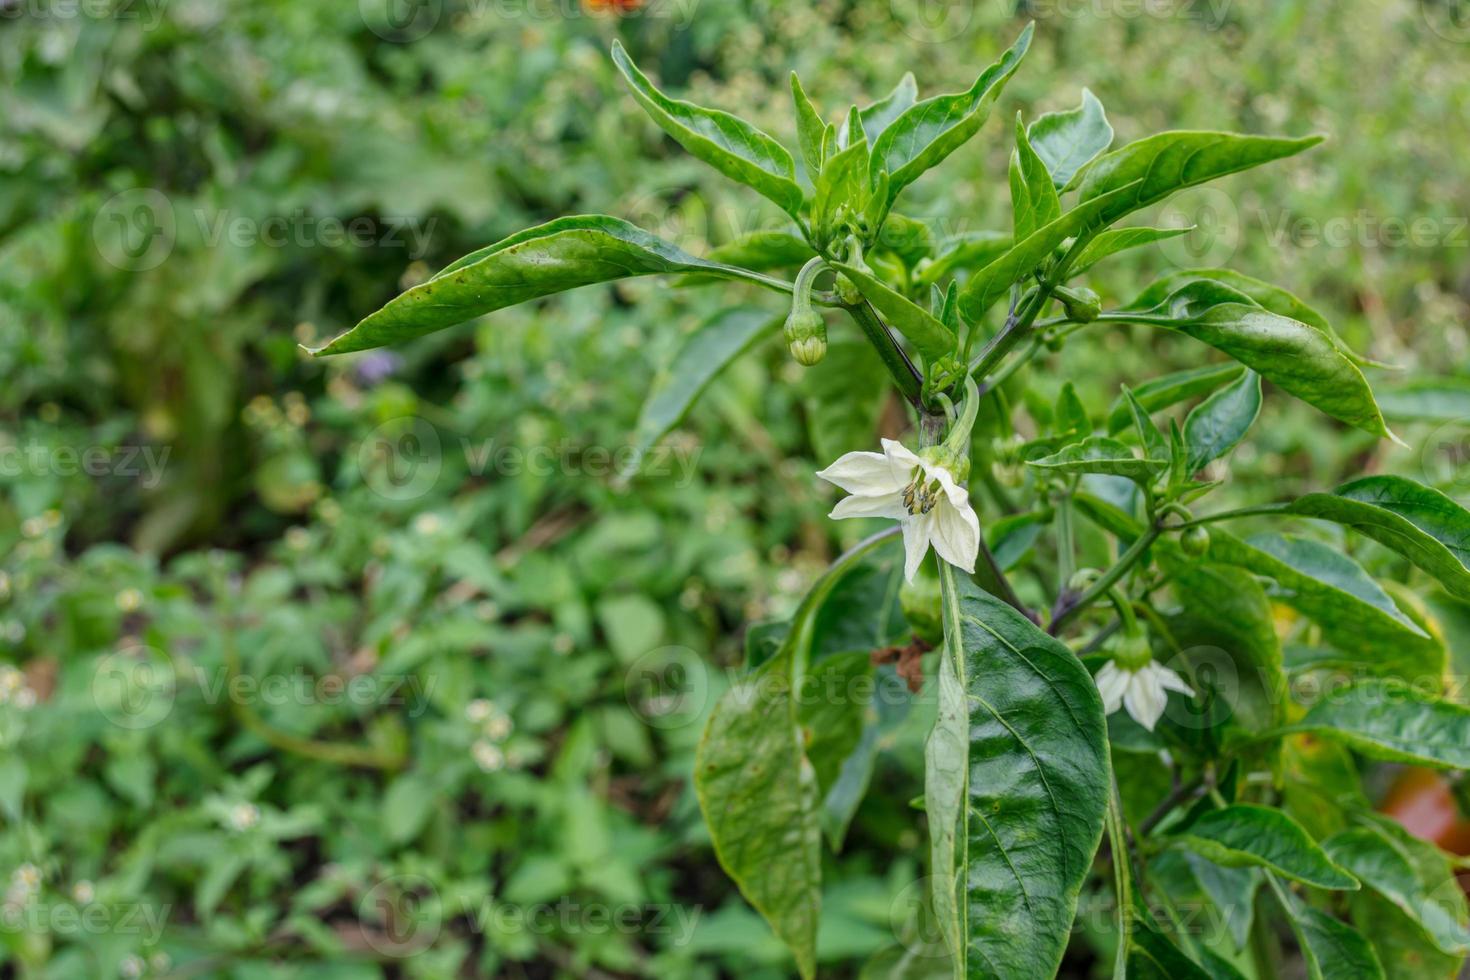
x=1133, y=734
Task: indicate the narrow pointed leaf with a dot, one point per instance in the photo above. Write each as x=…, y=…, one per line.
x=550, y=258
x=1118, y=240
x=930, y=337
x=728, y=143
x=809, y=129
x=1155, y=446
x=1169, y=162
x=1244, y=835
x=1409, y=872
x=842, y=183
x=1428, y=528
x=928, y=131
x=1292, y=355
x=1171, y=389
x=881, y=114
x=1385, y=719
x=1099, y=454
x=1023, y=723
x=1332, y=949
x=1034, y=200
x=703, y=355
x=1068, y=141
x=1218, y=423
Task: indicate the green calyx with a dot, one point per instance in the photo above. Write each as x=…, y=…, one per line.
x=1081, y=303
x=1130, y=647
x=806, y=331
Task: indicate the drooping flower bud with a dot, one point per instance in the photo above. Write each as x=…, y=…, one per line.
x=1081, y=303
x=806, y=331
x=1195, y=540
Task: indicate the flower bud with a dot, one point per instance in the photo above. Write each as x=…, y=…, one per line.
x=1195, y=541
x=806, y=334
x=847, y=292
x=1081, y=303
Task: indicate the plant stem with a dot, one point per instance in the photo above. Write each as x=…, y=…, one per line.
x=1068, y=607
x=905, y=375
x=1118, y=844
x=1066, y=543
x=1230, y=515
x=1016, y=328
x=1187, y=791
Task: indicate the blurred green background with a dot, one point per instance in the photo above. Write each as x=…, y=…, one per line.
x=370, y=666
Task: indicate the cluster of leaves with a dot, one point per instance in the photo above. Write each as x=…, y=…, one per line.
x=1020, y=772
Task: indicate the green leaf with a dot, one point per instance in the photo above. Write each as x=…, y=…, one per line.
x=1410, y=873
x=1264, y=294
x=1423, y=525
x=1159, y=165
x=1386, y=719
x=930, y=337
x=810, y=129
x=1099, y=454
x=1153, y=955
x=928, y=131
x=704, y=354
x=550, y=258
x=759, y=250
x=1118, y=240
x=1068, y=141
x=1229, y=638
x=840, y=188
x=1034, y=200
x=964, y=253
x=1172, y=389
x=1294, y=356
x=1431, y=400
x=883, y=113
x=993, y=281
x=1244, y=835
x=728, y=143
x=1017, y=764
x=1402, y=947
x=1335, y=592
x=757, y=788
x=1155, y=446
x=407, y=806
x=1333, y=950
x=1218, y=423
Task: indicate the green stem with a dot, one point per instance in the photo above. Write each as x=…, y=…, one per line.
x=1230, y=515
x=1118, y=843
x=904, y=374
x=1066, y=543
x=1068, y=607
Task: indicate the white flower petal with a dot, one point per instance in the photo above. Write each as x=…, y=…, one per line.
x=867, y=474
x=1145, y=699
x=900, y=456
x=1111, y=683
x=916, y=533
x=1168, y=679
x=956, y=534
x=889, y=505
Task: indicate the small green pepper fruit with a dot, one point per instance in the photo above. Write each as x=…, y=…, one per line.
x=1195, y=541
x=1081, y=303
x=806, y=331
x=921, y=606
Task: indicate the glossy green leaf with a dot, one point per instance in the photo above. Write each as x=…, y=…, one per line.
x=1428, y=528
x=882, y=114
x=1017, y=766
x=1409, y=872
x=810, y=129
x=1155, y=446
x=1332, y=949
x=550, y=258
x=1334, y=591
x=1171, y=389
x=994, y=280
x=963, y=254
x=1401, y=945
x=728, y=143
x=1216, y=425
x=1099, y=454
x=1436, y=400
x=1159, y=165
x=928, y=131
x=1034, y=201
x=1294, y=356
x=1068, y=141
x=761, y=251
x=1244, y=835
x=1118, y=240
x=702, y=356
x=930, y=337
x=1385, y=719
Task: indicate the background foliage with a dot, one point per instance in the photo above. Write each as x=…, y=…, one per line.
x=298, y=164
